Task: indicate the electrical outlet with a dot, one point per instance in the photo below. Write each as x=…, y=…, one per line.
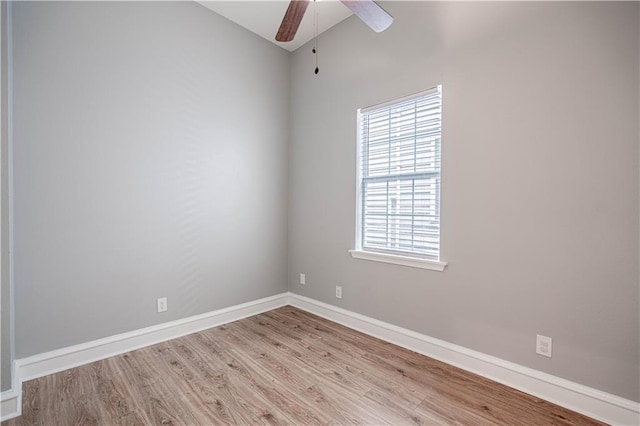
x=339, y=292
x=162, y=304
x=303, y=279
x=544, y=345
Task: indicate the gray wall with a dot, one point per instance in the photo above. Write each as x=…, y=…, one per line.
x=149, y=136
x=540, y=179
x=5, y=319
x=150, y=160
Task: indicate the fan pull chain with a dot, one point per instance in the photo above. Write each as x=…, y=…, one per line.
x=315, y=35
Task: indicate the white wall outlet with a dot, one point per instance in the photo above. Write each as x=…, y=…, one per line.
x=162, y=304
x=339, y=292
x=303, y=279
x=544, y=345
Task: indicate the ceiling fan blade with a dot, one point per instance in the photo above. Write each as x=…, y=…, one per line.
x=370, y=13
x=291, y=20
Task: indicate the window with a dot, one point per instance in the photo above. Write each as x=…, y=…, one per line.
x=398, y=214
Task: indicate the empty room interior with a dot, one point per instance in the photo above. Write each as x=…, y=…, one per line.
x=320, y=212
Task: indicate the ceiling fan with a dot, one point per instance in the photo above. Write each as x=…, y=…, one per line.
x=367, y=10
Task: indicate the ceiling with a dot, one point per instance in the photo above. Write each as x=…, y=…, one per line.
x=263, y=17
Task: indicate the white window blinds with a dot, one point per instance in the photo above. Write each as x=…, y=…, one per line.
x=399, y=176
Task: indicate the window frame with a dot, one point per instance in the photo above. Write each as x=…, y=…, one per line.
x=389, y=256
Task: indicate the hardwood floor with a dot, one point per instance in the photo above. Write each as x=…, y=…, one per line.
x=281, y=367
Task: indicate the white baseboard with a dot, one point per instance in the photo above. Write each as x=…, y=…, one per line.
x=10, y=404
x=74, y=356
x=589, y=401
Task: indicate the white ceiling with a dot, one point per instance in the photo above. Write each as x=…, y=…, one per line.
x=263, y=17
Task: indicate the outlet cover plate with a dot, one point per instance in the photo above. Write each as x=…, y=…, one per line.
x=162, y=304
x=544, y=345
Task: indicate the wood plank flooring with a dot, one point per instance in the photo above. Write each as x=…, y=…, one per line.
x=282, y=367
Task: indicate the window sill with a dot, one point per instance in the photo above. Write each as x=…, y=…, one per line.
x=399, y=260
